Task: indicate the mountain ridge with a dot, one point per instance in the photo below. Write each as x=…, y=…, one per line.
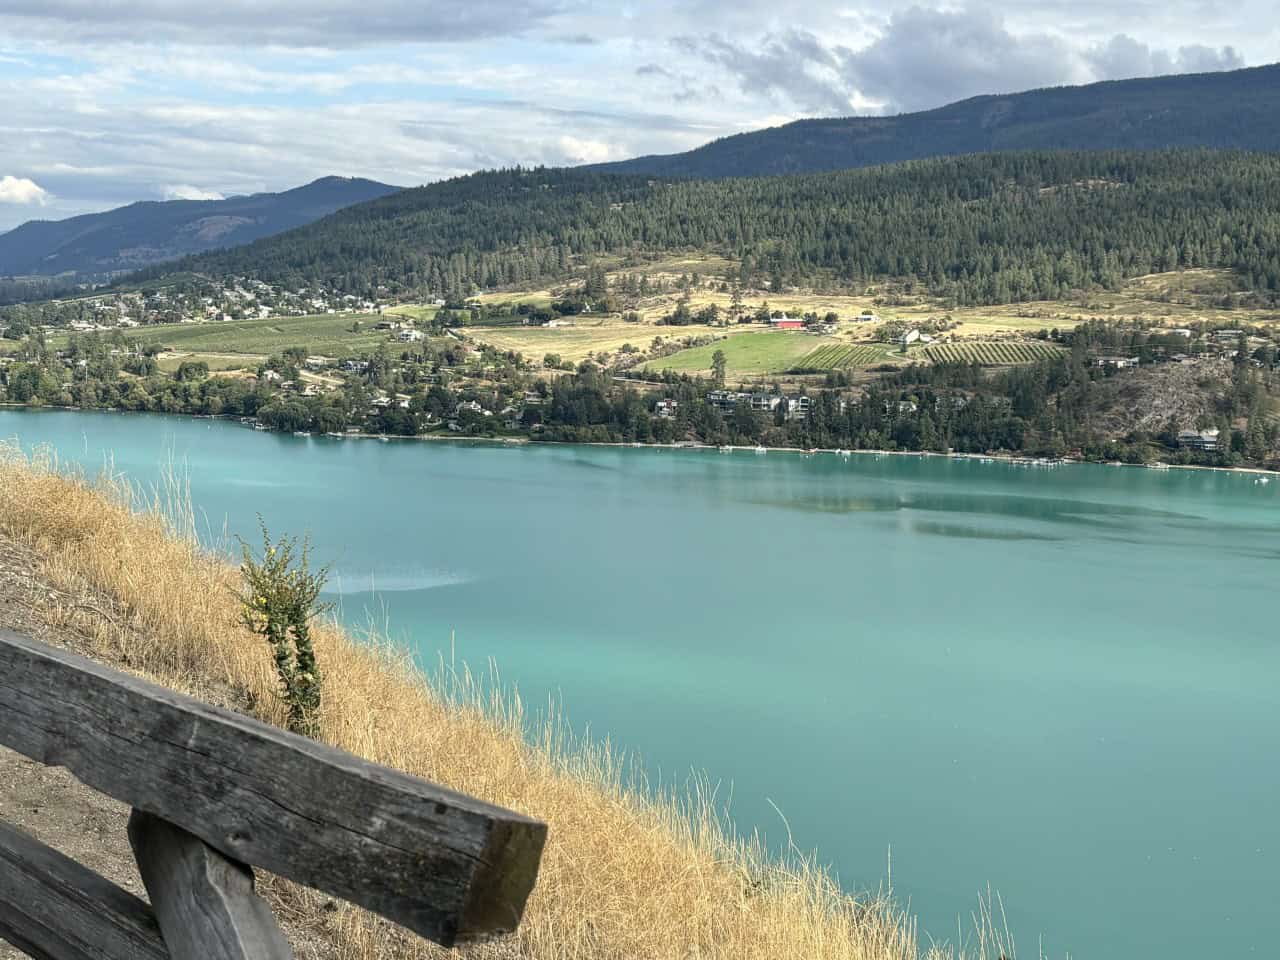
x=981, y=228
x=149, y=232
x=1236, y=109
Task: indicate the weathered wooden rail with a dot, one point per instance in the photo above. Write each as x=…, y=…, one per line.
x=214, y=794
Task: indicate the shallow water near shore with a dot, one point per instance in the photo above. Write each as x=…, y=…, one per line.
x=1059, y=682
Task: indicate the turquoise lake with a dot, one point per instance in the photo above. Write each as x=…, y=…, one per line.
x=1062, y=683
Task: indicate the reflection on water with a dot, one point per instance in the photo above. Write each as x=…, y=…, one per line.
x=976, y=533
x=347, y=582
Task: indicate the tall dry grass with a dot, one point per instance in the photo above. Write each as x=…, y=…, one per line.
x=626, y=876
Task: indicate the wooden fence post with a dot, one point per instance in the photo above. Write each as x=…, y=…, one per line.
x=204, y=902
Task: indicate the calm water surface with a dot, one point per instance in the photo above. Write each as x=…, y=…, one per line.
x=1061, y=683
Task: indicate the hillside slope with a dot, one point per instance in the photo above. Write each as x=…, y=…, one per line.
x=151, y=232
x=1238, y=110
x=992, y=228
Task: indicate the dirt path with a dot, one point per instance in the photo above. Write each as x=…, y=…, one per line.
x=49, y=803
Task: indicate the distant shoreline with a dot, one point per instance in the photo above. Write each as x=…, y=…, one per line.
x=1006, y=458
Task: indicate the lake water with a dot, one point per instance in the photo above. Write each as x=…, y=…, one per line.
x=1058, y=682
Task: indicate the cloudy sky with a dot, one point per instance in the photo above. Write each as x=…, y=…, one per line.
x=103, y=102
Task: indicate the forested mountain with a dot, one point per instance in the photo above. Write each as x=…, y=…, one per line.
x=987, y=228
x=150, y=232
x=1237, y=110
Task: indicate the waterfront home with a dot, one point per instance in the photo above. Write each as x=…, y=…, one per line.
x=765, y=402
x=798, y=407
x=724, y=400
x=666, y=409
x=1206, y=440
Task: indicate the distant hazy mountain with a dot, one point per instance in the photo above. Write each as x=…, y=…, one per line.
x=150, y=232
x=1239, y=109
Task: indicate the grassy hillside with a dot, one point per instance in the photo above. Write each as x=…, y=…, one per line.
x=990, y=229
x=1143, y=114
x=625, y=876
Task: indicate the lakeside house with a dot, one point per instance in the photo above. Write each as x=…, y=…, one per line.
x=723, y=400
x=764, y=402
x=666, y=409
x=473, y=406
x=726, y=401
x=798, y=407
x=1205, y=440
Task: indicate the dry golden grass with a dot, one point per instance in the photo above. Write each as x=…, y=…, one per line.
x=624, y=877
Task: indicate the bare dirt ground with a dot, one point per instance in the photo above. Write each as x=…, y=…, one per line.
x=49, y=803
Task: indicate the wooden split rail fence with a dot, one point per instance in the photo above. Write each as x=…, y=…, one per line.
x=215, y=794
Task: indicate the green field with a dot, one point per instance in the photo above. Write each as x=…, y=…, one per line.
x=413, y=311
x=746, y=354
x=992, y=353
x=847, y=356
x=327, y=335
x=218, y=363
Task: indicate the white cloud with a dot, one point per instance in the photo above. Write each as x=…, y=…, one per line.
x=576, y=150
x=291, y=23
x=184, y=191
x=103, y=107
x=1122, y=56
x=23, y=191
